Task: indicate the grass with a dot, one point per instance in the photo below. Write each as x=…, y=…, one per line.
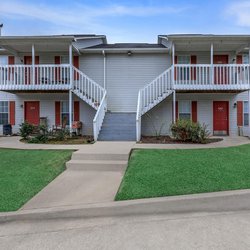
x=23, y=173
x=156, y=173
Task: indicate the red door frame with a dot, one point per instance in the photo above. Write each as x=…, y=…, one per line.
x=220, y=59
x=25, y=111
x=227, y=109
x=28, y=61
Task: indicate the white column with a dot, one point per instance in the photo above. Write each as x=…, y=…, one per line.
x=33, y=64
x=248, y=111
x=70, y=111
x=212, y=63
x=249, y=56
x=173, y=63
x=174, y=106
x=71, y=87
x=104, y=69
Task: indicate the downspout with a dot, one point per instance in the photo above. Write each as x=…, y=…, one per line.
x=104, y=69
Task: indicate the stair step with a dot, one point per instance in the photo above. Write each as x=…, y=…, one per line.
x=118, y=127
x=96, y=165
x=78, y=155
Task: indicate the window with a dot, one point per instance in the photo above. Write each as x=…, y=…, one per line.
x=245, y=114
x=245, y=59
x=3, y=60
x=183, y=72
x=183, y=60
x=184, y=110
x=4, y=113
x=65, y=112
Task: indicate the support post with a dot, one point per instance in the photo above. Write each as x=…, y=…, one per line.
x=248, y=112
x=212, y=64
x=104, y=69
x=70, y=111
x=71, y=88
x=173, y=64
x=33, y=64
x=174, y=106
x=249, y=56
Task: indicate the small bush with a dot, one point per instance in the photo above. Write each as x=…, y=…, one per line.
x=188, y=131
x=26, y=130
x=62, y=135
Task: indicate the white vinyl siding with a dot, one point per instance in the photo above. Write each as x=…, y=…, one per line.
x=47, y=108
x=127, y=74
x=162, y=113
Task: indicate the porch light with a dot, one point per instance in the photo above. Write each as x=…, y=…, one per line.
x=235, y=104
x=130, y=53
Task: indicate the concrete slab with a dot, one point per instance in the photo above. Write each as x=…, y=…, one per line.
x=77, y=187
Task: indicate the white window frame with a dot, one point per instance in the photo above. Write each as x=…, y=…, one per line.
x=67, y=113
x=187, y=56
x=245, y=103
x=3, y=60
x=245, y=59
x=4, y=112
x=179, y=110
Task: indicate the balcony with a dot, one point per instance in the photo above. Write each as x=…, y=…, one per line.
x=34, y=77
x=234, y=77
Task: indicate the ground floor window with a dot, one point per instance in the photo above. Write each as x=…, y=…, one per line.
x=4, y=112
x=245, y=113
x=184, y=110
x=65, y=112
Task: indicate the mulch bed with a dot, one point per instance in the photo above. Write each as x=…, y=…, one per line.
x=168, y=140
x=69, y=141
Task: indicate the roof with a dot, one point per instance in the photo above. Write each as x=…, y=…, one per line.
x=203, y=37
x=128, y=46
x=45, y=43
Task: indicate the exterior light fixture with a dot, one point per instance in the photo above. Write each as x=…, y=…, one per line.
x=130, y=53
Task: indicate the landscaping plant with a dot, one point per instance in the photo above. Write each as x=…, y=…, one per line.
x=188, y=131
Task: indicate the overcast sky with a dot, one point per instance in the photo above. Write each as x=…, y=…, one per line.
x=124, y=21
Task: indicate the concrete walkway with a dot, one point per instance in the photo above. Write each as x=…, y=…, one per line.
x=93, y=175
x=108, y=147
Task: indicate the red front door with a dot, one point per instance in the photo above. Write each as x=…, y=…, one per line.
x=28, y=71
x=32, y=112
x=221, y=119
x=220, y=72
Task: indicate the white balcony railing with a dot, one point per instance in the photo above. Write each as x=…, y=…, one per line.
x=207, y=77
x=37, y=77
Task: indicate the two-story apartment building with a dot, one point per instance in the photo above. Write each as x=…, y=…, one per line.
x=120, y=91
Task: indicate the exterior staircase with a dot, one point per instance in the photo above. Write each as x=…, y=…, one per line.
x=118, y=127
x=152, y=94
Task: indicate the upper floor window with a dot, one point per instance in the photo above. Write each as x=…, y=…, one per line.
x=3, y=60
x=184, y=110
x=245, y=59
x=4, y=114
x=64, y=60
x=183, y=59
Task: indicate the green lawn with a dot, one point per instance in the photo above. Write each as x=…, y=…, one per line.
x=155, y=173
x=23, y=173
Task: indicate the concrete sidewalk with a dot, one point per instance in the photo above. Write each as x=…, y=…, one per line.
x=108, y=147
x=93, y=175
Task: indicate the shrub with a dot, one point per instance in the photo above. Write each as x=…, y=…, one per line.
x=62, y=135
x=26, y=130
x=188, y=131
